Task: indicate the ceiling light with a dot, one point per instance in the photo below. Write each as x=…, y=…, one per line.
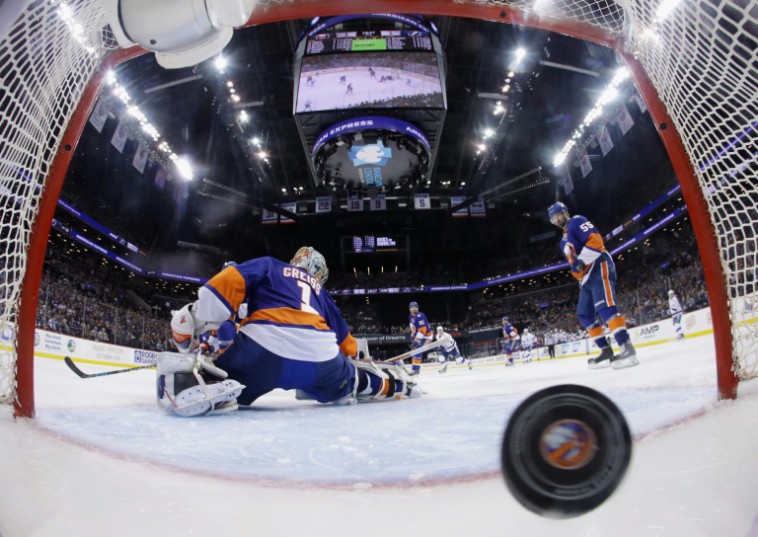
x=232, y=91
x=488, y=133
x=243, y=117
x=256, y=141
x=184, y=167
x=230, y=84
x=520, y=54
x=482, y=147
x=236, y=98
x=262, y=154
x=220, y=63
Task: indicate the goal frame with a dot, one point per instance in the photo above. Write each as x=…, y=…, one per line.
x=698, y=210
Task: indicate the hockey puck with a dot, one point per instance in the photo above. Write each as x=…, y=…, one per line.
x=565, y=450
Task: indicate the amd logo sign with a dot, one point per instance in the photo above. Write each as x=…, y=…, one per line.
x=648, y=332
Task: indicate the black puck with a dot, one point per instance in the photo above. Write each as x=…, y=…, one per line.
x=565, y=450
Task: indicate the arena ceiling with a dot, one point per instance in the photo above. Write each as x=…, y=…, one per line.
x=552, y=88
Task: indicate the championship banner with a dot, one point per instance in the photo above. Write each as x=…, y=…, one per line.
x=623, y=119
x=269, y=217
x=99, y=115
x=565, y=180
x=323, y=204
x=354, y=203
x=378, y=203
x=421, y=201
x=640, y=103
x=604, y=139
x=457, y=200
x=478, y=209
x=140, y=157
x=291, y=207
x=160, y=178
x=120, y=136
x=584, y=164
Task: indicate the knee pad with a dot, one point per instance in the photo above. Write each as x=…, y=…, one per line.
x=183, y=390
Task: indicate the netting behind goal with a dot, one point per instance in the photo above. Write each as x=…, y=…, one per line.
x=694, y=62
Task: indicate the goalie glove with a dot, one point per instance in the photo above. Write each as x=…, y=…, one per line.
x=185, y=327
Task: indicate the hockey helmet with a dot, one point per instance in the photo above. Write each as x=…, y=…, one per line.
x=309, y=259
x=413, y=305
x=439, y=330
x=671, y=292
x=556, y=209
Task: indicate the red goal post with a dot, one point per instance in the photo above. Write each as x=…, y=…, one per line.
x=693, y=64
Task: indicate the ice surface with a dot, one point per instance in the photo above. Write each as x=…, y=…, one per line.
x=101, y=458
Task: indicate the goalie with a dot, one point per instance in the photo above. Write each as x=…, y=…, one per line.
x=291, y=336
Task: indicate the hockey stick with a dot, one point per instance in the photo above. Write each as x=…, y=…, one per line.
x=73, y=367
x=411, y=352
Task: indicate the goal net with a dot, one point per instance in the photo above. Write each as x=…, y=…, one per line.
x=696, y=69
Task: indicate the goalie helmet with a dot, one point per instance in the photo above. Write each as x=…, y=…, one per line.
x=309, y=259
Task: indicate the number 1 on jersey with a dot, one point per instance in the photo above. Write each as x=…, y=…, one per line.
x=305, y=298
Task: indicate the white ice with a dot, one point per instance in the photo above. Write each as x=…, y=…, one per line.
x=100, y=459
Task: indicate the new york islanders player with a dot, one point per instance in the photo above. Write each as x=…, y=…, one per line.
x=675, y=310
x=421, y=334
x=291, y=336
x=593, y=267
x=449, y=349
x=510, y=340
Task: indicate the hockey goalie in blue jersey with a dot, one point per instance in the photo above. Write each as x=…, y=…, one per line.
x=592, y=265
x=421, y=334
x=291, y=335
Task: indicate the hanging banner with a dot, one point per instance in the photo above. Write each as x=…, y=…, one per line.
x=421, y=201
x=640, y=103
x=160, y=178
x=584, y=164
x=623, y=119
x=354, y=203
x=291, y=207
x=323, y=204
x=120, y=136
x=140, y=157
x=604, y=139
x=457, y=200
x=269, y=217
x=478, y=209
x=565, y=180
x=378, y=203
x=99, y=115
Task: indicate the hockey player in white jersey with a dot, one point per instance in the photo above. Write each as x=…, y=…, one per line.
x=449, y=349
x=528, y=341
x=675, y=310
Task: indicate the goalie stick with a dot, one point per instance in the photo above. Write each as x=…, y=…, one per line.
x=411, y=352
x=73, y=367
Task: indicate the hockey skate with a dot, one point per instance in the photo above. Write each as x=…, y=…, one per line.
x=443, y=369
x=602, y=360
x=626, y=358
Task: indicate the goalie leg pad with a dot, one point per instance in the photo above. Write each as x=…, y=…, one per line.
x=205, y=399
x=374, y=384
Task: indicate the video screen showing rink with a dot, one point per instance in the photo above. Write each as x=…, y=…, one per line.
x=369, y=80
x=453, y=432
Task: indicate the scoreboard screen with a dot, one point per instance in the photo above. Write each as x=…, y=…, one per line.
x=408, y=40
x=363, y=244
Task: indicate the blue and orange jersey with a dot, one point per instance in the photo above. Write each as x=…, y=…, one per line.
x=286, y=310
x=420, y=329
x=509, y=332
x=581, y=240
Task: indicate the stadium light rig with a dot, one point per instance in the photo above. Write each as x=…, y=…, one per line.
x=609, y=94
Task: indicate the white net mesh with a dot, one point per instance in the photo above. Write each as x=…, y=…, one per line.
x=700, y=56
x=46, y=60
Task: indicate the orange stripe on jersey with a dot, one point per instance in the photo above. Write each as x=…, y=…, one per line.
x=230, y=284
x=606, y=284
x=424, y=330
x=617, y=323
x=595, y=241
x=349, y=346
x=290, y=316
x=595, y=331
x=385, y=387
x=416, y=361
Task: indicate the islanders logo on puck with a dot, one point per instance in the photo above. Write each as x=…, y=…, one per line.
x=569, y=444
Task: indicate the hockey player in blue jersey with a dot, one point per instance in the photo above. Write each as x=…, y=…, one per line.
x=449, y=350
x=593, y=267
x=291, y=336
x=421, y=334
x=510, y=340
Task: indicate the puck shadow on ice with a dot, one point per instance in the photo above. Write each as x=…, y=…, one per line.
x=565, y=450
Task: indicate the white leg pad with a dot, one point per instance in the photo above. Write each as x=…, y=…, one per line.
x=204, y=399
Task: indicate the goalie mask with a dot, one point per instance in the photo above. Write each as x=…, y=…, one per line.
x=309, y=259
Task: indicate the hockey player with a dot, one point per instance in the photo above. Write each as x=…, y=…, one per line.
x=510, y=339
x=593, y=267
x=449, y=349
x=421, y=334
x=343, y=79
x=292, y=336
x=675, y=310
x=371, y=73
x=528, y=340
x=349, y=89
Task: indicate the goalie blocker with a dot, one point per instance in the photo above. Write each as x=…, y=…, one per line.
x=189, y=385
